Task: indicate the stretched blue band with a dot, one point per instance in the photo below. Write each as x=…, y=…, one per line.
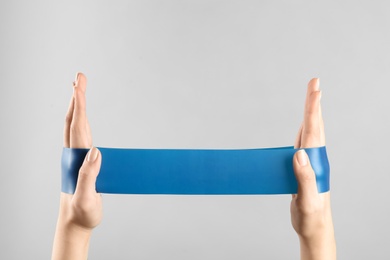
x=185, y=171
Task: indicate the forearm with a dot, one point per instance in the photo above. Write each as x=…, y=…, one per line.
x=322, y=247
x=70, y=242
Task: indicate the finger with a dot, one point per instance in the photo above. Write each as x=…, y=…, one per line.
x=89, y=134
x=312, y=86
x=80, y=102
x=86, y=182
x=322, y=127
x=311, y=133
x=307, y=186
x=297, y=143
x=79, y=128
x=68, y=122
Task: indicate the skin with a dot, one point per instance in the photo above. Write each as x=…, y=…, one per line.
x=311, y=214
x=81, y=212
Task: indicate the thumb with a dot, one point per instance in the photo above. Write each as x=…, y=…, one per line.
x=304, y=173
x=86, y=182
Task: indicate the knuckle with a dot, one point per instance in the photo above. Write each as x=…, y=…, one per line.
x=84, y=172
x=88, y=171
x=76, y=128
x=311, y=138
x=307, y=176
x=68, y=119
x=312, y=113
x=312, y=131
x=82, y=207
x=308, y=208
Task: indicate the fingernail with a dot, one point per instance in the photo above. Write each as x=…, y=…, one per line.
x=76, y=80
x=302, y=157
x=92, y=155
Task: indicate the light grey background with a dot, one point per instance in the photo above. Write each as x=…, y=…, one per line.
x=194, y=74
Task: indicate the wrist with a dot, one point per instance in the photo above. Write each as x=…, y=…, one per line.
x=321, y=246
x=73, y=231
x=71, y=240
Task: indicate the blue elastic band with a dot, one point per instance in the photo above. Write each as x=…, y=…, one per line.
x=185, y=171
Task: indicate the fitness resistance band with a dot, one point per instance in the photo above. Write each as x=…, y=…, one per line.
x=195, y=171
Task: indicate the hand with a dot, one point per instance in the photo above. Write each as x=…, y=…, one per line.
x=310, y=211
x=82, y=211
